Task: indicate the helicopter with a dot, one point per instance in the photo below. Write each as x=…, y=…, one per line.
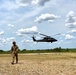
x=46, y=38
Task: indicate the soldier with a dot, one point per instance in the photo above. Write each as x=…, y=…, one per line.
x=14, y=51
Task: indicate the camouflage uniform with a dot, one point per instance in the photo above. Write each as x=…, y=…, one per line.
x=14, y=51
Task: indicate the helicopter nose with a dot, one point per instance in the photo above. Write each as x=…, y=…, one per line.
x=55, y=40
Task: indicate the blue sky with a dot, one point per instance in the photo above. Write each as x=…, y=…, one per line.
x=21, y=19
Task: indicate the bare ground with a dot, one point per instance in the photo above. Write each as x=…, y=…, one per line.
x=39, y=64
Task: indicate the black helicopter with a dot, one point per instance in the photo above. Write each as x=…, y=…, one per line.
x=45, y=39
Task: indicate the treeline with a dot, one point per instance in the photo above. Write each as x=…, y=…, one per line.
x=58, y=49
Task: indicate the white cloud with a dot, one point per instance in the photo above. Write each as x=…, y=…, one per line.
x=32, y=30
x=69, y=37
x=71, y=20
x=2, y=40
x=1, y=32
x=50, y=21
x=39, y=2
x=72, y=31
x=71, y=14
x=7, y=40
x=31, y=2
x=71, y=25
x=46, y=17
x=10, y=39
x=19, y=34
x=27, y=41
x=10, y=25
x=23, y=2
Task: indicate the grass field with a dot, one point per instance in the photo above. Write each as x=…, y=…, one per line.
x=39, y=64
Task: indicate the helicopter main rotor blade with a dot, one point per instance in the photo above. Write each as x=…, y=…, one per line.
x=49, y=36
x=43, y=34
x=57, y=34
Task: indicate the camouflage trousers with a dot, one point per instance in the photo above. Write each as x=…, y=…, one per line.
x=14, y=56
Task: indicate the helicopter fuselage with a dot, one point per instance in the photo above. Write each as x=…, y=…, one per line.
x=45, y=39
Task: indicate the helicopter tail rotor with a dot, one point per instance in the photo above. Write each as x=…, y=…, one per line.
x=33, y=38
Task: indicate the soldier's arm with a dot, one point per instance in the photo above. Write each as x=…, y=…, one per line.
x=11, y=50
x=17, y=49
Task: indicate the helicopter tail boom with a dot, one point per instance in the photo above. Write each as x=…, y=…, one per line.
x=33, y=38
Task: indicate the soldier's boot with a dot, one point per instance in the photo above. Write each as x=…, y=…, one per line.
x=16, y=61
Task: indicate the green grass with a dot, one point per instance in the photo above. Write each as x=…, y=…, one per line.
x=40, y=56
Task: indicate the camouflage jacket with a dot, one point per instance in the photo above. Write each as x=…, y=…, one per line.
x=14, y=49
